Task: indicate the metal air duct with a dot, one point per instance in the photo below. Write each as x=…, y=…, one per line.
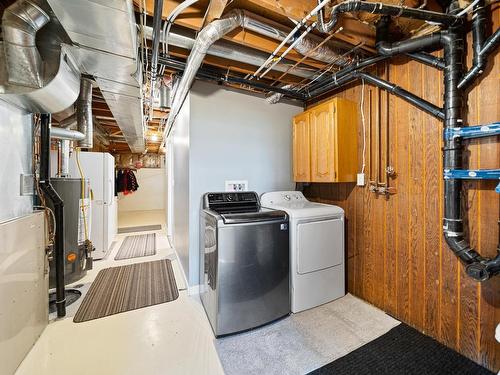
x=37, y=73
x=104, y=38
x=20, y=23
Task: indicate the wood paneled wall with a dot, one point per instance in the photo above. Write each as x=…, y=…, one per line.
x=396, y=256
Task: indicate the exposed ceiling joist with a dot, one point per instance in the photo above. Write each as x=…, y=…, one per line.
x=214, y=11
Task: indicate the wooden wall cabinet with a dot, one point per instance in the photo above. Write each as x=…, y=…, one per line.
x=325, y=143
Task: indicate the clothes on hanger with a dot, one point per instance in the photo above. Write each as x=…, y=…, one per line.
x=126, y=181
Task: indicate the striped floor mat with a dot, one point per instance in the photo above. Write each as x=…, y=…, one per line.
x=137, y=246
x=119, y=289
x=142, y=228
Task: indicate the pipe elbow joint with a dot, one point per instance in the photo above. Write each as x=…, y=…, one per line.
x=485, y=269
x=384, y=48
x=478, y=271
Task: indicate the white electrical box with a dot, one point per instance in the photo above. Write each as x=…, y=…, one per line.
x=361, y=179
x=240, y=185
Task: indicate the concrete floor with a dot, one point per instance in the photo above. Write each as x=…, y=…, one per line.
x=133, y=218
x=170, y=338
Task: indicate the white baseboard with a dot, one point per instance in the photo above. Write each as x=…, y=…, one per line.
x=181, y=268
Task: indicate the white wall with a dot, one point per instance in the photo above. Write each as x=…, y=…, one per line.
x=151, y=194
x=180, y=144
x=15, y=159
x=233, y=136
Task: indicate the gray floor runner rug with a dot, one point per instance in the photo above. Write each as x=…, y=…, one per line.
x=305, y=341
x=134, y=286
x=142, y=228
x=137, y=246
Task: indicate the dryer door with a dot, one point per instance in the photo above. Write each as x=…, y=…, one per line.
x=320, y=245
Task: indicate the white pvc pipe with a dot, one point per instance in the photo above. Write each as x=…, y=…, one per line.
x=292, y=33
x=289, y=49
x=467, y=9
x=170, y=20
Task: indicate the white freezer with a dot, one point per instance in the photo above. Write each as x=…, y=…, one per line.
x=99, y=168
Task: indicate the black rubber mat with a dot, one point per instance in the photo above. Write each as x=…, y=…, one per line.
x=403, y=350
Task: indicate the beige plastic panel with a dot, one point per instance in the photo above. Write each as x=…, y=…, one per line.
x=23, y=288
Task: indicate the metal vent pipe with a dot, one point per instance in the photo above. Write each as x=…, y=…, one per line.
x=70, y=135
x=63, y=151
x=20, y=23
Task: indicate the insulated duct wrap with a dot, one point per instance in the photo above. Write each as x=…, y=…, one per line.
x=20, y=23
x=218, y=29
x=207, y=36
x=309, y=47
x=231, y=51
x=306, y=46
x=276, y=97
x=84, y=113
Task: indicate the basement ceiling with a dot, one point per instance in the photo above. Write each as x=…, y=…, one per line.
x=355, y=31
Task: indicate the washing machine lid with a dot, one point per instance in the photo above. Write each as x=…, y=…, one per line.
x=298, y=206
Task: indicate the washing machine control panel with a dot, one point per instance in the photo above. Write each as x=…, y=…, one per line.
x=285, y=197
x=293, y=196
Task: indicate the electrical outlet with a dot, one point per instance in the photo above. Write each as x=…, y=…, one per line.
x=240, y=185
x=361, y=179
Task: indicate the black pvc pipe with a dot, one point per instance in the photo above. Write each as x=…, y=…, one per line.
x=478, y=37
x=409, y=45
x=481, y=48
x=215, y=76
x=58, y=204
x=452, y=41
x=333, y=80
x=385, y=9
x=476, y=266
x=403, y=94
x=427, y=59
x=385, y=85
x=491, y=43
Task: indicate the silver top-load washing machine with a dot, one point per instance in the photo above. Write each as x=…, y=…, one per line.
x=244, y=262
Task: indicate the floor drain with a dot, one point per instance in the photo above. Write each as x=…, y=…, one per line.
x=72, y=296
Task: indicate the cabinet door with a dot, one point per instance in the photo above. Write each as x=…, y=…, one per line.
x=301, y=148
x=322, y=143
